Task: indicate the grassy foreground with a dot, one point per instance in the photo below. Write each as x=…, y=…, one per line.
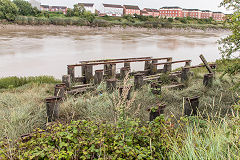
x=99, y=125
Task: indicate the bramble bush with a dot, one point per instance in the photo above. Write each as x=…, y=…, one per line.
x=127, y=139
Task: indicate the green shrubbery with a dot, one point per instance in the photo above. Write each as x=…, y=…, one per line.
x=90, y=140
x=8, y=10
x=12, y=82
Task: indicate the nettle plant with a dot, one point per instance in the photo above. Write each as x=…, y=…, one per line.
x=89, y=140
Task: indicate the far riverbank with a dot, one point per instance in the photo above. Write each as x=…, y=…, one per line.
x=16, y=27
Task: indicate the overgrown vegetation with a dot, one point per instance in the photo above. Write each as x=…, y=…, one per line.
x=102, y=125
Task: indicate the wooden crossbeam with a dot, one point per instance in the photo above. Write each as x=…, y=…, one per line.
x=121, y=61
x=171, y=62
x=199, y=66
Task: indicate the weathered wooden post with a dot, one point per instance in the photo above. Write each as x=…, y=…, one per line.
x=71, y=72
x=83, y=70
x=147, y=67
x=127, y=65
x=111, y=84
x=191, y=106
x=185, y=75
x=157, y=111
x=60, y=90
x=168, y=67
x=153, y=68
x=123, y=72
x=98, y=77
x=52, y=106
x=208, y=80
x=112, y=71
x=105, y=69
x=67, y=80
x=128, y=90
x=138, y=81
x=156, y=88
x=88, y=73
x=206, y=63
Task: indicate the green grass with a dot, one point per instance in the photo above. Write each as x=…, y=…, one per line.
x=13, y=82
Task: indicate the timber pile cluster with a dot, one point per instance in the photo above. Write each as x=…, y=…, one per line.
x=90, y=79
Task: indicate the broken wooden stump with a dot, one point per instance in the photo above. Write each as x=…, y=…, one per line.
x=191, y=106
x=60, y=90
x=187, y=64
x=208, y=80
x=156, y=87
x=138, y=81
x=111, y=84
x=67, y=80
x=167, y=67
x=52, y=106
x=71, y=72
x=88, y=73
x=124, y=72
x=156, y=111
x=98, y=77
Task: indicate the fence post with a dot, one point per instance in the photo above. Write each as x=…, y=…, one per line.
x=138, y=81
x=127, y=65
x=67, y=80
x=88, y=73
x=60, y=90
x=185, y=75
x=52, y=106
x=71, y=72
x=208, y=80
x=191, y=106
x=98, y=77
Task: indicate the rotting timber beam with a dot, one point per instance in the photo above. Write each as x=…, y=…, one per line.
x=120, y=59
x=206, y=63
x=164, y=63
x=199, y=66
x=115, y=62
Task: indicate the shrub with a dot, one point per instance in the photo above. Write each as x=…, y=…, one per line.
x=101, y=23
x=184, y=20
x=89, y=140
x=24, y=8
x=170, y=19
x=8, y=10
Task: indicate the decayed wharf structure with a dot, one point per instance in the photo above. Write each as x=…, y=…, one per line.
x=90, y=79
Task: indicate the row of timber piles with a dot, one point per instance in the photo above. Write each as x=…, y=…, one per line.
x=72, y=85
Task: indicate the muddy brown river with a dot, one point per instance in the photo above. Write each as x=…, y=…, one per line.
x=33, y=53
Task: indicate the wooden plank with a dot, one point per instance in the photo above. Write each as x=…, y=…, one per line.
x=82, y=86
x=115, y=62
x=206, y=63
x=175, y=86
x=172, y=62
x=199, y=66
x=107, y=60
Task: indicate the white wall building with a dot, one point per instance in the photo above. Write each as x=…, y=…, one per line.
x=113, y=10
x=35, y=3
x=88, y=7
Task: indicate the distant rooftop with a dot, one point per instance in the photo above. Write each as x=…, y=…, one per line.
x=206, y=11
x=45, y=6
x=86, y=4
x=112, y=5
x=131, y=7
x=173, y=7
x=59, y=7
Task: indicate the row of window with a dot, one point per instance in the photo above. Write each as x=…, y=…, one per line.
x=168, y=11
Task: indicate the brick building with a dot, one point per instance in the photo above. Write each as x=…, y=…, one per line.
x=206, y=14
x=150, y=11
x=58, y=9
x=131, y=10
x=44, y=8
x=218, y=16
x=193, y=13
x=170, y=12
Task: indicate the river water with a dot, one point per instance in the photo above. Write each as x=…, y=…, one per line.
x=34, y=53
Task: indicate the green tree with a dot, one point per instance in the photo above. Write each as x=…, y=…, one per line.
x=8, y=10
x=70, y=12
x=78, y=10
x=24, y=7
x=230, y=46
